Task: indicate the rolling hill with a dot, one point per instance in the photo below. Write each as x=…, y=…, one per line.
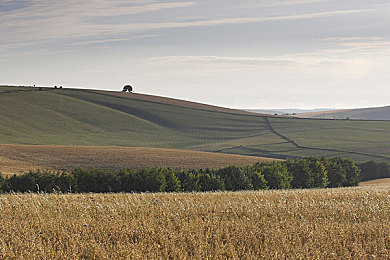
x=374, y=113
x=71, y=117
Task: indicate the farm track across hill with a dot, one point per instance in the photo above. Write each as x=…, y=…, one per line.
x=102, y=118
x=319, y=149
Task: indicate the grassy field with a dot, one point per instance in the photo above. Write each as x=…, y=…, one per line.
x=101, y=118
x=349, y=223
x=16, y=158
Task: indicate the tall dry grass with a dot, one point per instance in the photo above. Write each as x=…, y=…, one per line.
x=349, y=223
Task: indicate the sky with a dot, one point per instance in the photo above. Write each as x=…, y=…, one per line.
x=258, y=54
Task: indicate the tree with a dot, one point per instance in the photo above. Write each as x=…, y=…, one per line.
x=301, y=172
x=127, y=88
x=336, y=172
x=374, y=170
x=276, y=174
x=352, y=173
x=235, y=178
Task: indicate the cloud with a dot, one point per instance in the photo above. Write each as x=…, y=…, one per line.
x=302, y=63
x=48, y=20
x=97, y=41
x=347, y=39
x=356, y=45
x=301, y=60
x=278, y=3
x=139, y=27
x=45, y=20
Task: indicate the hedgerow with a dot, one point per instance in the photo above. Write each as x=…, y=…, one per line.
x=303, y=173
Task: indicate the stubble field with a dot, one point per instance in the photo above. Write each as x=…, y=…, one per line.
x=349, y=223
x=16, y=158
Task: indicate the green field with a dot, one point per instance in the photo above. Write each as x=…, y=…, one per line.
x=86, y=117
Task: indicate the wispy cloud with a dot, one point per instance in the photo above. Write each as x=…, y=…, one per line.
x=48, y=20
x=277, y=3
x=347, y=39
x=303, y=60
x=97, y=41
x=56, y=20
x=356, y=45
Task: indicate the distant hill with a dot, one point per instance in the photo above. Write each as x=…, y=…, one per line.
x=75, y=117
x=375, y=113
x=286, y=111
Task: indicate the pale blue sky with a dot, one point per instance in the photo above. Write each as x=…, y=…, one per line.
x=243, y=54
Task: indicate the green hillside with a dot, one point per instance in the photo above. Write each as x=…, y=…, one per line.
x=85, y=117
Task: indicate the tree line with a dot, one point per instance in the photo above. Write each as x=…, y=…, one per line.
x=372, y=170
x=302, y=173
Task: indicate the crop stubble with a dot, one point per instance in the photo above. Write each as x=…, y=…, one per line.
x=348, y=223
x=15, y=158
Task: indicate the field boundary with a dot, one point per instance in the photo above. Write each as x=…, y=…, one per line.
x=268, y=123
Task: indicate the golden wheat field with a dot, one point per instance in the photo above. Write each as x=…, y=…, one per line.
x=15, y=158
x=348, y=223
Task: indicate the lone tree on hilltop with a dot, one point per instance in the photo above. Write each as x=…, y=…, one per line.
x=127, y=88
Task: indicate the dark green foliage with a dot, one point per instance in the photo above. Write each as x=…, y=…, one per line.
x=258, y=180
x=308, y=173
x=45, y=181
x=235, y=178
x=319, y=173
x=336, y=172
x=96, y=180
x=210, y=181
x=128, y=179
x=1, y=180
x=353, y=173
x=374, y=170
x=302, y=176
x=303, y=173
x=276, y=174
x=190, y=181
x=342, y=172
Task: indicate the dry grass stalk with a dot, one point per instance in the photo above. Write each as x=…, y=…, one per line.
x=349, y=223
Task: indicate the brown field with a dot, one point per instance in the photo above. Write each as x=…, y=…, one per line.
x=378, y=183
x=313, y=114
x=348, y=223
x=16, y=158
